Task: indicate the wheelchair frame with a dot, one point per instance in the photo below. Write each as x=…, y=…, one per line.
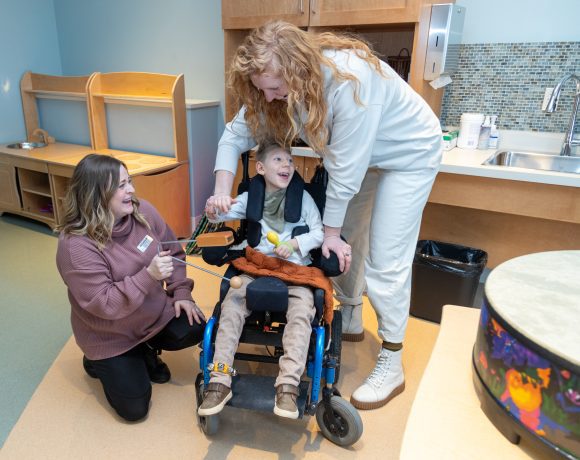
x=338, y=420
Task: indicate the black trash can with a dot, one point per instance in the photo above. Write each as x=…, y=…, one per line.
x=444, y=273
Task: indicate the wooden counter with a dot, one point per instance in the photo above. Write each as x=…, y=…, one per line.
x=505, y=218
x=34, y=182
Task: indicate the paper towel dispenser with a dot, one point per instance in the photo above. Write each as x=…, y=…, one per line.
x=445, y=30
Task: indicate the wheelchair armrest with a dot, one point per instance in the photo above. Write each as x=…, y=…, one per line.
x=329, y=265
x=219, y=255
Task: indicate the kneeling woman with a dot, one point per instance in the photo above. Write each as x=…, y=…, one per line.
x=127, y=301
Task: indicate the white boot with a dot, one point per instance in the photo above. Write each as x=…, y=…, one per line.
x=385, y=382
x=352, y=325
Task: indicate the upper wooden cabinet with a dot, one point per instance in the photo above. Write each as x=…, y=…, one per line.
x=303, y=13
x=249, y=14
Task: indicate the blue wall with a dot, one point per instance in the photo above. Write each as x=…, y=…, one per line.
x=169, y=36
x=28, y=41
x=78, y=37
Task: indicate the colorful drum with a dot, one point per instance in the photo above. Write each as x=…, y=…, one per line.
x=526, y=357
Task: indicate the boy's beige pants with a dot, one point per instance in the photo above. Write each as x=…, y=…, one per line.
x=295, y=340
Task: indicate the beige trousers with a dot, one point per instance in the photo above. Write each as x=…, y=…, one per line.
x=295, y=340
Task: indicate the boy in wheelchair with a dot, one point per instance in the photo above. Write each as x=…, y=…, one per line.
x=276, y=166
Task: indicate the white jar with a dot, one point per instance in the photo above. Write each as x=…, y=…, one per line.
x=469, y=128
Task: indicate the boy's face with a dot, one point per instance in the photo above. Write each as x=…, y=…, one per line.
x=277, y=169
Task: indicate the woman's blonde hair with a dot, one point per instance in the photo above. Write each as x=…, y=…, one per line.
x=297, y=57
x=94, y=182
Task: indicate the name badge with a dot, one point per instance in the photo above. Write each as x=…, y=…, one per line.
x=144, y=244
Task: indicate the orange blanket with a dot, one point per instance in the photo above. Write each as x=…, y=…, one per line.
x=257, y=264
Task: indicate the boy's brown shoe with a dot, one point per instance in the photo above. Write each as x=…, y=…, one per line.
x=286, y=396
x=215, y=398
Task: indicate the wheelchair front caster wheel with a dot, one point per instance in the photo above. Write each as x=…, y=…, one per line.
x=347, y=426
x=210, y=423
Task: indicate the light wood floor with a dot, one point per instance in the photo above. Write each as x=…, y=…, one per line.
x=69, y=418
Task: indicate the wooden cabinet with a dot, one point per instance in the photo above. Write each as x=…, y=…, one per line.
x=9, y=199
x=34, y=183
x=253, y=13
x=303, y=13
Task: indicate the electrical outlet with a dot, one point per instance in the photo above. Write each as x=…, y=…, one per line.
x=547, y=94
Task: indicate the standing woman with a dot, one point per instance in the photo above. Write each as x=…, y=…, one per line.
x=381, y=145
x=127, y=301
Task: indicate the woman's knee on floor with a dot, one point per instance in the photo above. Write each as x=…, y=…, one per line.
x=132, y=409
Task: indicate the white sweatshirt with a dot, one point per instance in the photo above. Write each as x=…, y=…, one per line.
x=392, y=129
x=306, y=242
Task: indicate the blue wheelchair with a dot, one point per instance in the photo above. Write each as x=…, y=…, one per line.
x=267, y=298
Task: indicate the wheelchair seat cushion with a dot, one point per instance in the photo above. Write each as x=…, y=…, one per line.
x=257, y=264
x=267, y=294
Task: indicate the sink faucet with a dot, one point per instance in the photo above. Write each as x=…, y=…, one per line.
x=43, y=135
x=569, y=140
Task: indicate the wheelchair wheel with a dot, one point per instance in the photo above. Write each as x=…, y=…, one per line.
x=209, y=424
x=336, y=343
x=349, y=426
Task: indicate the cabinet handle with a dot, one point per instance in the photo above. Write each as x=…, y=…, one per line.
x=301, y=6
x=313, y=6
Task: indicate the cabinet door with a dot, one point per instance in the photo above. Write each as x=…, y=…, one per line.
x=168, y=191
x=248, y=14
x=351, y=12
x=8, y=193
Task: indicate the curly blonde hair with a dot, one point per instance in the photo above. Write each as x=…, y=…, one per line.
x=86, y=205
x=297, y=57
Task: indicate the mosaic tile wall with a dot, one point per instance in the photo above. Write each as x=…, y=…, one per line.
x=509, y=80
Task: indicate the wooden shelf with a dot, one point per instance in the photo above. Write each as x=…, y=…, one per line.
x=38, y=206
x=125, y=99
x=34, y=182
x=138, y=88
x=36, y=85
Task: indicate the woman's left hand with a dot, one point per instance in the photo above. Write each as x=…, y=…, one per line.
x=333, y=242
x=190, y=308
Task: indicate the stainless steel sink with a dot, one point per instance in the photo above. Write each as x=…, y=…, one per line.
x=26, y=145
x=529, y=160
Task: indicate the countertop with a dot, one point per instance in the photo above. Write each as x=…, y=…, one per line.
x=469, y=162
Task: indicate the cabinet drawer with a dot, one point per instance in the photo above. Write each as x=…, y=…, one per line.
x=33, y=165
x=60, y=170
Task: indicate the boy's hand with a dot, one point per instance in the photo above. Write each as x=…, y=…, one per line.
x=286, y=248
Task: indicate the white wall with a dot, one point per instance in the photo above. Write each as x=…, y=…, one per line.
x=520, y=21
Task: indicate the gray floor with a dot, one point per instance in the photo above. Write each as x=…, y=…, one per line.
x=34, y=313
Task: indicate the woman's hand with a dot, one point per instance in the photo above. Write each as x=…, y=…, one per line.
x=161, y=267
x=218, y=204
x=190, y=308
x=333, y=242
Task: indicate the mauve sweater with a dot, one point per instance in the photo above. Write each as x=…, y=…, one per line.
x=115, y=303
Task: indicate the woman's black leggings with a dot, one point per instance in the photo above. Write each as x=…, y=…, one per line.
x=125, y=378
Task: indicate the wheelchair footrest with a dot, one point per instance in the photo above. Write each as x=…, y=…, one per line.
x=257, y=392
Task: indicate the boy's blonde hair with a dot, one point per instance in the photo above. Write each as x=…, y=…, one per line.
x=266, y=147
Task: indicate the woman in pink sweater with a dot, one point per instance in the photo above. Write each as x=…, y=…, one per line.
x=127, y=301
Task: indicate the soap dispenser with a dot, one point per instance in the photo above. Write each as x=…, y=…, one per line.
x=493, y=134
x=484, y=134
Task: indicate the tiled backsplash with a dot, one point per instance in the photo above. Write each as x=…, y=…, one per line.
x=509, y=80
